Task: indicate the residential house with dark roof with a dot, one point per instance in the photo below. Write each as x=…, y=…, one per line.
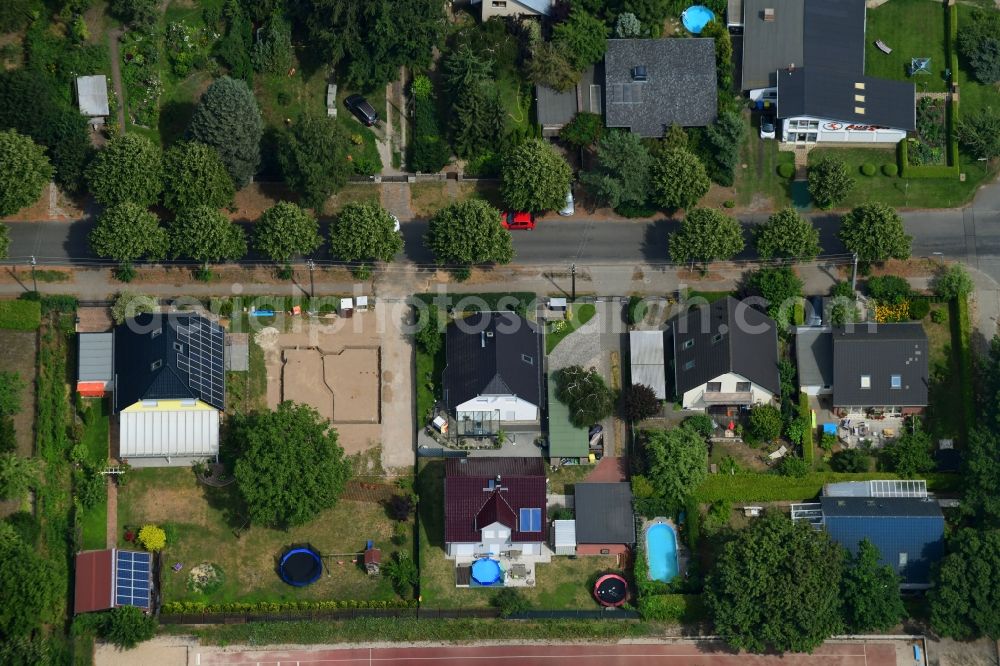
x=605, y=524
x=169, y=388
x=493, y=374
x=725, y=356
x=493, y=506
x=651, y=84
x=503, y=8
x=808, y=58
x=880, y=367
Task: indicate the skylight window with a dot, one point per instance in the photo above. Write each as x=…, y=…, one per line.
x=531, y=520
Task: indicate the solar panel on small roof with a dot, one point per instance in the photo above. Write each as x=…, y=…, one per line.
x=133, y=578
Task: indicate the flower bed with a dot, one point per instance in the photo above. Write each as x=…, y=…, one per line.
x=141, y=74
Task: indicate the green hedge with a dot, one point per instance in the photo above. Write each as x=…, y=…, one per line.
x=808, y=432
x=20, y=315
x=764, y=487
x=951, y=42
x=906, y=170
x=183, y=607
x=961, y=332
x=521, y=301
x=684, y=608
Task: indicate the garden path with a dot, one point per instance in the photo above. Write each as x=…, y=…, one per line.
x=116, y=73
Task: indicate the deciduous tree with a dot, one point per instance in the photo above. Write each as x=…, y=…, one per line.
x=24, y=171
x=127, y=232
x=676, y=462
x=128, y=304
x=871, y=592
x=776, y=586
x=679, y=179
x=981, y=470
x=953, y=282
x=127, y=626
x=228, y=119
x=290, y=465
x=550, y=66
x=622, y=177
x=142, y=14
x=130, y=168
x=639, y=402
x=979, y=44
x=787, y=235
x=534, y=177
x=979, y=132
x=315, y=158
x=765, y=423
x=583, y=38
x=365, y=232
x=27, y=585
x=909, y=455
x=829, y=182
x=194, y=175
x=584, y=131
x=583, y=390
x=205, y=234
x=965, y=597
x=875, y=232
x=467, y=233
x=152, y=538
x=706, y=235
x=284, y=231
x=779, y=286
x=17, y=475
x=4, y=241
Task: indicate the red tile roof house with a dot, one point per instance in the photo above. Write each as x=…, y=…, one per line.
x=109, y=578
x=493, y=506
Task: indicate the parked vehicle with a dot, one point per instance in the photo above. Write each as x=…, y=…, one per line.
x=814, y=311
x=362, y=109
x=767, y=127
x=517, y=220
x=570, y=207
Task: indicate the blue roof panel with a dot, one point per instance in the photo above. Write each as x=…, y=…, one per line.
x=910, y=545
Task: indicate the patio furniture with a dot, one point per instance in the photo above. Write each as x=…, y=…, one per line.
x=888, y=433
x=777, y=455
x=518, y=571
x=883, y=47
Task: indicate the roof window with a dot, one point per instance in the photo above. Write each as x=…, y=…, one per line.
x=687, y=344
x=157, y=332
x=639, y=73
x=156, y=365
x=866, y=381
x=896, y=381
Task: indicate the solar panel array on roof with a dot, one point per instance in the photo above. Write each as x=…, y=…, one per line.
x=201, y=354
x=133, y=578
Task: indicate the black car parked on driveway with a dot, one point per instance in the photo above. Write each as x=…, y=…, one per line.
x=361, y=108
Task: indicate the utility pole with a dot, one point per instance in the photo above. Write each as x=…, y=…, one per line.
x=572, y=272
x=33, y=280
x=312, y=283
x=854, y=274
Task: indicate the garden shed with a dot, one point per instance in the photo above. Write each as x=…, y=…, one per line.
x=564, y=537
x=92, y=96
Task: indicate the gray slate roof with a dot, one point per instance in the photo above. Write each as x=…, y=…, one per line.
x=814, y=356
x=92, y=93
x=888, y=349
x=728, y=336
x=681, y=85
x=838, y=95
x=604, y=513
x=493, y=353
x=771, y=45
x=96, y=362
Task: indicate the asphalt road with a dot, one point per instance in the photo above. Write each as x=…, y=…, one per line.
x=971, y=235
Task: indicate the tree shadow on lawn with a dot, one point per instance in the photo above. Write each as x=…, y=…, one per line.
x=174, y=119
x=228, y=501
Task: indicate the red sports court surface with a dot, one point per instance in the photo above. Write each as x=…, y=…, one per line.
x=702, y=654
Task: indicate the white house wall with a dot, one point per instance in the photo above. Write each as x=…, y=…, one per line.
x=836, y=131
x=508, y=408
x=692, y=399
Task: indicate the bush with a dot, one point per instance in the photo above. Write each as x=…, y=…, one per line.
x=890, y=170
x=700, y=423
x=889, y=289
x=764, y=425
x=786, y=170
x=636, y=309
x=919, y=308
x=868, y=169
x=953, y=282
x=939, y=316
x=793, y=466
x=509, y=601
x=808, y=432
x=127, y=626
x=152, y=538
x=682, y=608
x=849, y=460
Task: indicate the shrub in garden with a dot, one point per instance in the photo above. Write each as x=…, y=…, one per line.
x=939, y=316
x=152, y=538
x=510, y=601
x=919, y=308
x=868, y=169
x=636, y=309
x=953, y=282
x=889, y=289
x=793, y=466
x=786, y=170
x=890, y=170
x=765, y=424
x=829, y=182
x=127, y=626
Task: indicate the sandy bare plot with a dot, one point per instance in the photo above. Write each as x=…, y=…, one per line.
x=353, y=374
x=302, y=380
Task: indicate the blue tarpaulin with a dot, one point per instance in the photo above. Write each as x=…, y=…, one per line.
x=829, y=428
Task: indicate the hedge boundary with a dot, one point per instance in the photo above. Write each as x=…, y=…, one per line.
x=808, y=432
x=765, y=487
x=683, y=608
x=186, y=607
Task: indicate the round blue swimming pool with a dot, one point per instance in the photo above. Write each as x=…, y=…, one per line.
x=661, y=552
x=696, y=17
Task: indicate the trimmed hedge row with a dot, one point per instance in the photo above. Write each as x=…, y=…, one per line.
x=764, y=487
x=808, y=432
x=183, y=607
x=20, y=315
x=961, y=336
x=906, y=170
x=683, y=608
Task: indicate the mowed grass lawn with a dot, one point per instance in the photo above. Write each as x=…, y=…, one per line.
x=903, y=192
x=945, y=395
x=913, y=29
x=975, y=96
x=760, y=178
x=200, y=521
x=563, y=584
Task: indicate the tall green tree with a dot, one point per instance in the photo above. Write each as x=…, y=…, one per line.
x=365, y=232
x=284, y=231
x=583, y=38
x=622, y=177
x=272, y=52
x=141, y=14
x=127, y=626
x=28, y=584
x=371, y=39
x=583, y=390
x=228, y=119
x=981, y=472
x=787, y=235
x=676, y=462
x=289, y=465
x=776, y=586
x=639, y=402
x=584, y=131
x=205, y=234
x=965, y=597
x=534, y=177
x=953, y=282
x=875, y=232
x=17, y=475
x=194, y=175
x=979, y=44
x=706, y=235
x=24, y=171
x=909, y=455
x=979, y=132
x=469, y=232
x=871, y=592
x=679, y=179
x=128, y=232
x=780, y=287
x=550, y=66
x=4, y=241
x=722, y=148
x=314, y=155
x=130, y=168
x=830, y=182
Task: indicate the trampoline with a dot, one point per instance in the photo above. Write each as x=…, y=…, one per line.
x=610, y=590
x=696, y=17
x=300, y=567
x=486, y=572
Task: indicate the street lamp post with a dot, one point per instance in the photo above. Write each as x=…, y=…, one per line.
x=33, y=280
x=572, y=271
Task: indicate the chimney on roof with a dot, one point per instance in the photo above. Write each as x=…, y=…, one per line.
x=769, y=14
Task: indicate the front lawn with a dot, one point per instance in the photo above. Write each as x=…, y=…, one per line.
x=903, y=192
x=202, y=524
x=555, y=331
x=912, y=29
x=562, y=584
x=760, y=179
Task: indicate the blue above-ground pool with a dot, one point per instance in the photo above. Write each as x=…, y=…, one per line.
x=486, y=572
x=696, y=17
x=661, y=552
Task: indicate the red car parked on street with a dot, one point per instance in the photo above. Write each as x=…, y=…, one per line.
x=517, y=220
